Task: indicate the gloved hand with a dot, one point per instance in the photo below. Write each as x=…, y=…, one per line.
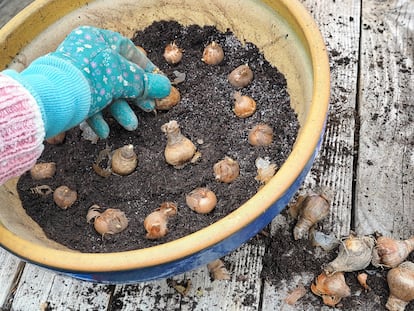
x=91, y=69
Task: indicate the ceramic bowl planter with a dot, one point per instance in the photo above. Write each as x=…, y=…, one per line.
x=289, y=39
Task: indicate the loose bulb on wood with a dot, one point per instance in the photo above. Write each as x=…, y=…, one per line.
x=124, y=160
x=218, y=270
x=241, y=76
x=201, y=200
x=389, y=252
x=355, y=253
x=172, y=53
x=310, y=209
x=331, y=288
x=179, y=149
x=401, y=284
x=261, y=135
x=226, y=170
x=213, y=54
x=64, y=197
x=43, y=170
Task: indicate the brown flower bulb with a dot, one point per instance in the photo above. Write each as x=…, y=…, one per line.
x=312, y=209
x=241, y=76
x=179, y=149
x=331, y=288
x=124, y=160
x=172, y=53
x=401, y=283
x=43, y=170
x=111, y=221
x=170, y=101
x=201, y=200
x=213, y=54
x=389, y=252
x=244, y=106
x=57, y=139
x=64, y=197
x=226, y=170
x=355, y=253
x=156, y=223
x=261, y=135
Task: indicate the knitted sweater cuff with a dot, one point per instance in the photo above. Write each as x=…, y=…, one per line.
x=61, y=91
x=21, y=129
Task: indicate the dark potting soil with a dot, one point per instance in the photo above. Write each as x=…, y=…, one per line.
x=206, y=117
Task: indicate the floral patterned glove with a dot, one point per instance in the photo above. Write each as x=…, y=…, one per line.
x=91, y=69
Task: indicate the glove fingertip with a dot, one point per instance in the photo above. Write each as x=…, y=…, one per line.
x=99, y=125
x=159, y=86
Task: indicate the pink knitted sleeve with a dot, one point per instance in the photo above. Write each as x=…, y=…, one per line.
x=21, y=129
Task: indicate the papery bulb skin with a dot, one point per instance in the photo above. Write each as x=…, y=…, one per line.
x=355, y=253
x=111, y=221
x=201, y=200
x=401, y=284
x=241, y=76
x=226, y=170
x=313, y=208
x=389, y=252
x=179, y=149
x=172, y=53
x=332, y=288
x=213, y=54
x=124, y=160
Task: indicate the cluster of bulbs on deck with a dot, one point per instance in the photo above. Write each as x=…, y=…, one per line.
x=355, y=254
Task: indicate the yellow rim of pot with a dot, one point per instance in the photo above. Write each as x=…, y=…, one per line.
x=24, y=27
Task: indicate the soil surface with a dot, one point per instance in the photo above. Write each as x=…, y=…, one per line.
x=206, y=117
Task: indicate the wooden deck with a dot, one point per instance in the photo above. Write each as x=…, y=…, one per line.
x=367, y=163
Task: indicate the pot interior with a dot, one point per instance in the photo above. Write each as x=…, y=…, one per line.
x=269, y=26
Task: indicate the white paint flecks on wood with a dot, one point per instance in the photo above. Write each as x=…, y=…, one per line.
x=332, y=172
x=242, y=292
x=10, y=267
x=385, y=179
x=39, y=288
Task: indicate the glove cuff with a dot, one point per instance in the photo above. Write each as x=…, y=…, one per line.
x=60, y=89
x=21, y=131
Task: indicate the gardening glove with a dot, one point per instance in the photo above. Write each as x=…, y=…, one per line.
x=90, y=70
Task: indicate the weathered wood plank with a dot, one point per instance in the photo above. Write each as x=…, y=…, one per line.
x=332, y=172
x=242, y=292
x=9, y=8
x=10, y=267
x=385, y=180
x=42, y=288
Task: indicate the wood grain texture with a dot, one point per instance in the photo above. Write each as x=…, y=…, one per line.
x=10, y=8
x=39, y=288
x=332, y=171
x=385, y=175
x=241, y=292
x=10, y=267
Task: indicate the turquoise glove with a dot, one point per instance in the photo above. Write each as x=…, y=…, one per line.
x=91, y=69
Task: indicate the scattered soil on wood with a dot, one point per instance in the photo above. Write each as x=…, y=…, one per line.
x=286, y=258
x=206, y=117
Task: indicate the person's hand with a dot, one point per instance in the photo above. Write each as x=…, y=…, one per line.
x=91, y=69
x=116, y=70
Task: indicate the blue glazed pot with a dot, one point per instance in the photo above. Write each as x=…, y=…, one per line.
x=301, y=57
